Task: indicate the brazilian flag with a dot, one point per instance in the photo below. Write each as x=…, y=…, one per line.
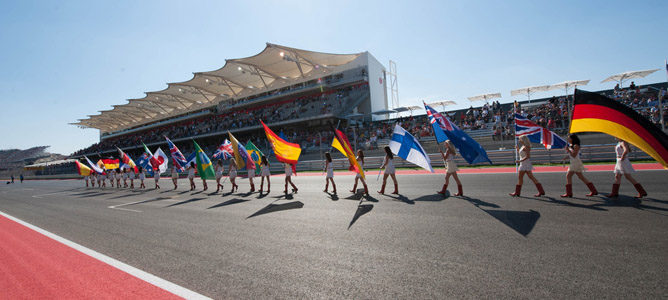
x=204, y=166
x=255, y=154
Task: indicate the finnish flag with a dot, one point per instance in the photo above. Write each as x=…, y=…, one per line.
x=404, y=145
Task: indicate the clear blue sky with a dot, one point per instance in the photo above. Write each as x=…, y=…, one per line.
x=62, y=61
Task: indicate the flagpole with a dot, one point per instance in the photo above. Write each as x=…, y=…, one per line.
x=517, y=167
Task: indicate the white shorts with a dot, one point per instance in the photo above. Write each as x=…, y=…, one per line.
x=451, y=167
x=624, y=167
x=526, y=166
x=233, y=174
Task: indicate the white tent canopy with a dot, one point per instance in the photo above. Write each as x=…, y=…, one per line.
x=569, y=84
x=442, y=103
x=530, y=90
x=621, y=77
x=485, y=97
x=276, y=66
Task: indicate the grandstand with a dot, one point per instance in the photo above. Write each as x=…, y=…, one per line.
x=301, y=95
x=295, y=91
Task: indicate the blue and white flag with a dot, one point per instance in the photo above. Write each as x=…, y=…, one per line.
x=192, y=158
x=404, y=145
x=537, y=133
x=468, y=148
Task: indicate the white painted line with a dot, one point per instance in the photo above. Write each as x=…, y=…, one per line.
x=125, y=209
x=41, y=195
x=150, y=278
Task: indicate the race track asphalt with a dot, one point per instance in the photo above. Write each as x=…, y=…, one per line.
x=416, y=245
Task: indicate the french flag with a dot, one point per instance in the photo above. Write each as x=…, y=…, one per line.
x=537, y=133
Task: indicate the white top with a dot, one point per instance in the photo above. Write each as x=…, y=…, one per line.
x=191, y=172
x=219, y=170
x=525, y=165
x=288, y=169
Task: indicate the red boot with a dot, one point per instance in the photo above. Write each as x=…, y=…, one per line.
x=518, y=189
x=592, y=190
x=569, y=191
x=460, y=191
x=615, y=191
x=641, y=190
x=541, y=192
x=445, y=188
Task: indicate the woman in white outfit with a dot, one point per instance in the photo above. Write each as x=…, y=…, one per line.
x=131, y=175
x=264, y=173
x=112, y=177
x=330, y=172
x=86, y=178
x=233, y=175
x=450, y=168
x=125, y=178
x=191, y=176
x=576, y=167
x=142, y=177
x=360, y=161
x=175, y=176
x=118, y=178
x=156, y=178
x=624, y=168
x=526, y=167
x=388, y=164
x=288, y=179
x=219, y=174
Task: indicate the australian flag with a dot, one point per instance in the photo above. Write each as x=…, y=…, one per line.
x=178, y=159
x=537, y=133
x=444, y=130
x=224, y=151
x=144, y=161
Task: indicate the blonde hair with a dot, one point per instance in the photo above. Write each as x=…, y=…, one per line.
x=450, y=146
x=525, y=141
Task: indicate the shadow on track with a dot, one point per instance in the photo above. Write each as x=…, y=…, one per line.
x=185, y=201
x=277, y=207
x=402, y=198
x=478, y=202
x=362, y=209
x=520, y=221
x=571, y=204
x=432, y=198
x=229, y=202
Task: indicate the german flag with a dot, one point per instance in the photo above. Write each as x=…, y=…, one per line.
x=596, y=113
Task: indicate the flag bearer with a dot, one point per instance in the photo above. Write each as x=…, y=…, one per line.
x=330, y=172
x=450, y=168
x=388, y=164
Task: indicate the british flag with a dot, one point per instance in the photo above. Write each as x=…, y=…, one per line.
x=224, y=151
x=436, y=117
x=177, y=157
x=537, y=133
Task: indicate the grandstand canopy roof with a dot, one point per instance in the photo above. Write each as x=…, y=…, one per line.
x=276, y=66
x=485, y=97
x=383, y=112
x=621, y=77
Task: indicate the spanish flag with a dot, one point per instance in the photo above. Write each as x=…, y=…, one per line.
x=596, y=113
x=342, y=144
x=82, y=169
x=285, y=152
